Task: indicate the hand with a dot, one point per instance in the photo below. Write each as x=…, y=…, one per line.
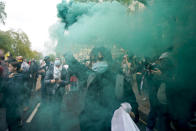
x=129, y=64
x=59, y=81
x=68, y=87
x=138, y=73
x=11, y=75
x=52, y=81
x=156, y=72
x=136, y=119
x=135, y=116
x=42, y=71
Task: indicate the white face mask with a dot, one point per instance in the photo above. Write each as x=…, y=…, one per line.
x=100, y=67
x=57, y=63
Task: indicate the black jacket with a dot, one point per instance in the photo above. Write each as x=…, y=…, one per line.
x=14, y=90
x=49, y=76
x=101, y=101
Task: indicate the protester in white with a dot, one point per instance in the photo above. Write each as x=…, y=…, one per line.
x=25, y=66
x=121, y=120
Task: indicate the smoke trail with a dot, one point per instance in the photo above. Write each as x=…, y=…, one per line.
x=70, y=12
x=108, y=23
x=144, y=32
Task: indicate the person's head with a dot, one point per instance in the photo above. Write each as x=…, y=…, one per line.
x=57, y=62
x=47, y=60
x=14, y=66
x=19, y=59
x=32, y=60
x=69, y=58
x=100, y=59
x=100, y=54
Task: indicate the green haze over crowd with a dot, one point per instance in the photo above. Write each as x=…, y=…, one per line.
x=146, y=32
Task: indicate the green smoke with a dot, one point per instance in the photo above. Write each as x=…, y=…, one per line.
x=145, y=32
x=70, y=12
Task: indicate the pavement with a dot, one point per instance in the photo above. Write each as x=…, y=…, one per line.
x=39, y=116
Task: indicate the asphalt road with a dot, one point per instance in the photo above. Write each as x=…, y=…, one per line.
x=39, y=118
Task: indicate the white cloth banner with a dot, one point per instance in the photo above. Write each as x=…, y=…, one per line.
x=121, y=120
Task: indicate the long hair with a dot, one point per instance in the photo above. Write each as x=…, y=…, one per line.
x=106, y=55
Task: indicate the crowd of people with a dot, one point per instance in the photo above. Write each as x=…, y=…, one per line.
x=17, y=82
x=93, y=91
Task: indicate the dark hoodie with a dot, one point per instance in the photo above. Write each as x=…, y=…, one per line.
x=13, y=100
x=101, y=102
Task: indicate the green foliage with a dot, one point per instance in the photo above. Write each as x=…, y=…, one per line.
x=18, y=44
x=5, y=41
x=36, y=55
x=3, y=14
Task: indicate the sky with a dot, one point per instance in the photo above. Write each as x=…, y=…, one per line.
x=34, y=17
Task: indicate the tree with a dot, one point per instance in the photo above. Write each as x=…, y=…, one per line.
x=3, y=14
x=18, y=44
x=36, y=55
x=5, y=41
